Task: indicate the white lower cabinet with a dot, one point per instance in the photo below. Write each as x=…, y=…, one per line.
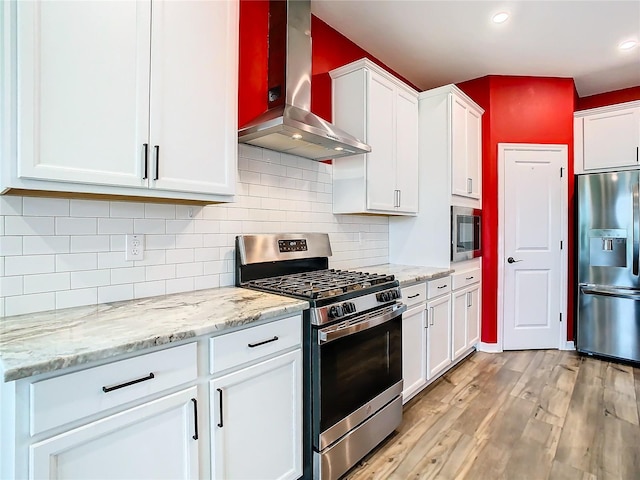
x=438, y=335
x=151, y=441
x=414, y=346
x=256, y=420
x=465, y=315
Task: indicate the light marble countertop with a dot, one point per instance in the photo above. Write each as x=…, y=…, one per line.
x=48, y=341
x=408, y=274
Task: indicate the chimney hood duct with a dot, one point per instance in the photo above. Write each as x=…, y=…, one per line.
x=288, y=125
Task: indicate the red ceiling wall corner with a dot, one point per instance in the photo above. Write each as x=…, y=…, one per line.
x=608, y=98
x=252, y=56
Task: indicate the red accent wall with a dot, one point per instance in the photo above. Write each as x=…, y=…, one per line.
x=330, y=50
x=609, y=98
x=517, y=110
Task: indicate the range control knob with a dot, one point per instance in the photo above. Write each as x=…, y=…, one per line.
x=395, y=294
x=336, y=311
x=349, y=307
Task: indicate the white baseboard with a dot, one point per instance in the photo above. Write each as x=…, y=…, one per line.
x=489, y=347
x=568, y=346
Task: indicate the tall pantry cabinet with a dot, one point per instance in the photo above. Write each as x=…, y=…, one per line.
x=120, y=98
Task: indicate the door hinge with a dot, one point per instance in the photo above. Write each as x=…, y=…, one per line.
x=561, y=317
x=561, y=172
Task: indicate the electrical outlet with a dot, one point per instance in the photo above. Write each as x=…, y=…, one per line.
x=134, y=247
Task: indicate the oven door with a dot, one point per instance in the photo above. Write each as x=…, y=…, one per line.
x=357, y=370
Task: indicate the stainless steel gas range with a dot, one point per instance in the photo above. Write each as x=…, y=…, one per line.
x=352, y=345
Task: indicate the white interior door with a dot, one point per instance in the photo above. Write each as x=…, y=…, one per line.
x=533, y=230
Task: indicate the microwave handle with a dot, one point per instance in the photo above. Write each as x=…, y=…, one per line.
x=332, y=333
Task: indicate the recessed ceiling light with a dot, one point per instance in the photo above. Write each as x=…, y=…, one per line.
x=339, y=149
x=627, y=44
x=500, y=17
x=296, y=136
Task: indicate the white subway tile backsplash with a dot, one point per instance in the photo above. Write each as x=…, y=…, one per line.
x=126, y=210
x=194, y=269
x=20, y=225
x=189, y=240
x=90, y=243
x=159, y=242
x=29, y=264
x=10, y=286
x=180, y=226
x=115, y=293
x=49, y=282
x=181, y=255
x=10, y=245
x=23, y=304
x=89, y=208
x=186, y=247
x=114, y=260
x=90, y=278
x=207, y=281
x=69, y=262
x=51, y=207
x=149, y=289
x=76, y=226
x=177, y=285
x=76, y=298
x=127, y=275
x=159, y=210
x=149, y=226
x=115, y=225
x=10, y=205
x=159, y=272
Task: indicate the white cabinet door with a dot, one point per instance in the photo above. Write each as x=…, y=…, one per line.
x=465, y=319
x=256, y=421
x=612, y=139
x=466, y=144
x=407, y=152
x=152, y=441
x=414, y=361
x=193, y=96
x=474, y=152
x=83, y=91
x=381, y=168
x=473, y=315
x=460, y=300
x=438, y=335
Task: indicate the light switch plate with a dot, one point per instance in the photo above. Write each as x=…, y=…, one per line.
x=134, y=249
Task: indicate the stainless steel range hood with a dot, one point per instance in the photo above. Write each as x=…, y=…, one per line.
x=288, y=125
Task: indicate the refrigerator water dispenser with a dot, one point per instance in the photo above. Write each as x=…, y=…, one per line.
x=608, y=248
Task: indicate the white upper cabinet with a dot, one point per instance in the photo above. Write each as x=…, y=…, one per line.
x=382, y=111
x=466, y=141
x=123, y=98
x=607, y=138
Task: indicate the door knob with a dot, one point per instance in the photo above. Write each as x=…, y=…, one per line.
x=512, y=260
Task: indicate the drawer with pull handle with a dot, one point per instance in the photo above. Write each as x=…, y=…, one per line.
x=74, y=396
x=438, y=287
x=414, y=294
x=467, y=277
x=237, y=348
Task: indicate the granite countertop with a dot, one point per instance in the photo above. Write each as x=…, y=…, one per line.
x=48, y=341
x=408, y=274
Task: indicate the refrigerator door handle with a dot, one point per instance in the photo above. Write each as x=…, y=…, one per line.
x=612, y=292
x=636, y=229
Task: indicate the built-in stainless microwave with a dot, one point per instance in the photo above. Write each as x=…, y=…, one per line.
x=465, y=233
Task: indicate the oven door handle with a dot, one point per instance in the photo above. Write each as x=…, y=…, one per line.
x=334, y=332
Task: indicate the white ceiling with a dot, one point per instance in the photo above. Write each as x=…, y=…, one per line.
x=432, y=43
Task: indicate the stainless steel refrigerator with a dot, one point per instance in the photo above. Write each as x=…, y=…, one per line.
x=608, y=321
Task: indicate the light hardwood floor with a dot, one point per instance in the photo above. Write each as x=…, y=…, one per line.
x=544, y=414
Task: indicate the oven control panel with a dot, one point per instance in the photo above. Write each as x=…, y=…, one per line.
x=346, y=308
x=292, y=245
